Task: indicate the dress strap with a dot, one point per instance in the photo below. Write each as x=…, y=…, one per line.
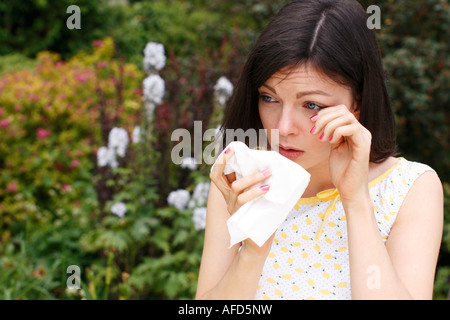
x=325, y=196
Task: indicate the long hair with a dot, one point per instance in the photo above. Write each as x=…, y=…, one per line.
x=332, y=37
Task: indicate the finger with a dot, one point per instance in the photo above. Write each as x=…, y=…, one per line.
x=251, y=194
x=231, y=177
x=324, y=116
x=240, y=185
x=217, y=172
x=350, y=132
x=328, y=130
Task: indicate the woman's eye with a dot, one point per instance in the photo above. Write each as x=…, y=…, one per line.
x=313, y=106
x=265, y=98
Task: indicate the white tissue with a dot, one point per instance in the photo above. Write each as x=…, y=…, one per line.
x=259, y=218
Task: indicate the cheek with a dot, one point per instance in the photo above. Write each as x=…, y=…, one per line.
x=267, y=121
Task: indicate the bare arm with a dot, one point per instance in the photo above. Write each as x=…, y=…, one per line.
x=404, y=267
x=229, y=273
x=225, y=273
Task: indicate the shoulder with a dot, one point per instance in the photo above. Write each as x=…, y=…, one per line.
x=416, y=234
x=424, y=199
x=426, y=186
x=399, y=187
x=398, y=171
x=420, y=177
x=412, y=179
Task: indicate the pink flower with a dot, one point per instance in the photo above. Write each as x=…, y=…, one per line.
x=75, y=163
x=12, y=187
x=42, y=133
x=33, y=97
x=65, y=187
x=81, y=77
x=4, y=123
x=101, y=64
x=97, y=43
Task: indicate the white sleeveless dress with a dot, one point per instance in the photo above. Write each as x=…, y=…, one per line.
x=309, y=256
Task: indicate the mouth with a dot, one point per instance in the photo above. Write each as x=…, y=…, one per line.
x=290, y=152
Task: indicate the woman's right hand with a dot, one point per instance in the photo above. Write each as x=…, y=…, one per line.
x=232, y=189
x=237, y=192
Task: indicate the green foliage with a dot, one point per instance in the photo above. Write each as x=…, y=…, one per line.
x=174, y=272
x=25, y=277
x=37, y=25
x=15, y=62
x=50, y=133
x=174, y=24
x=47, y=134
x=413, y=40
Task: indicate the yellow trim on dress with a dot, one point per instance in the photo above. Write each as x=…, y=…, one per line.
x=333, y=194
x=321, y=196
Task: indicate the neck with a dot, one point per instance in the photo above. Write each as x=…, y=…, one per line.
x=320, y=179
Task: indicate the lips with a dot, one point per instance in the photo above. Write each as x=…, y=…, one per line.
x=290, y=152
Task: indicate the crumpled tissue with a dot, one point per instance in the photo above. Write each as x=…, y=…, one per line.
x=259, y=218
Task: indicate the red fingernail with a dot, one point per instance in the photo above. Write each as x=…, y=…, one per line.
x=313, y=129
x=227, y=151
x=266, y=172
x=314, y=117
x=323, y=133
x=331, y=138
x=265, y=187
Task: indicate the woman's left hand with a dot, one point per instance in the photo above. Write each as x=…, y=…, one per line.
x=350, y=150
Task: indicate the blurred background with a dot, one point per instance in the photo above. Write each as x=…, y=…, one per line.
x=86, y=177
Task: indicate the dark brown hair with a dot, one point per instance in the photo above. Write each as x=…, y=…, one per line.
x=333, y=38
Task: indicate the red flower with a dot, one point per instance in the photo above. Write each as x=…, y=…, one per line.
x=59, y=166
x=42, y=133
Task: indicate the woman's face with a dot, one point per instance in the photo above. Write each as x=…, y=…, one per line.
x=288, y=100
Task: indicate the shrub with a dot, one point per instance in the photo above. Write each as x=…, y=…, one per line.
x=51, y=124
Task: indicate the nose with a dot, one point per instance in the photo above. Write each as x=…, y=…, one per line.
x=287, y=124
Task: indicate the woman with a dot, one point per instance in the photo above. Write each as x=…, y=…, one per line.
x=369, y=225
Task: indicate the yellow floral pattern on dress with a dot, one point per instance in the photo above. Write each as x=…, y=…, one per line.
x=301, y=266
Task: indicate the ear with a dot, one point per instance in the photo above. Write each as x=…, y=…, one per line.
x=356, y=113
x=356, y=109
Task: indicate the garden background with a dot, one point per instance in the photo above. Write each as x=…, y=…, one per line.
x=133, y=220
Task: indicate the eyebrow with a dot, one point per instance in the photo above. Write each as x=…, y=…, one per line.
x=302, y=93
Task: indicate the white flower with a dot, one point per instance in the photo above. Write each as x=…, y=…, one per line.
x=154, y=88
x=200, y=195
x=188, y=163
x=119, y=209
x=136, y=135
x=118, y=140
x=102, y=156
x=149, y=110
x=178, y=198
x=154, y=57
x=106, y=156
x=223, y=89
x=199, y=218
